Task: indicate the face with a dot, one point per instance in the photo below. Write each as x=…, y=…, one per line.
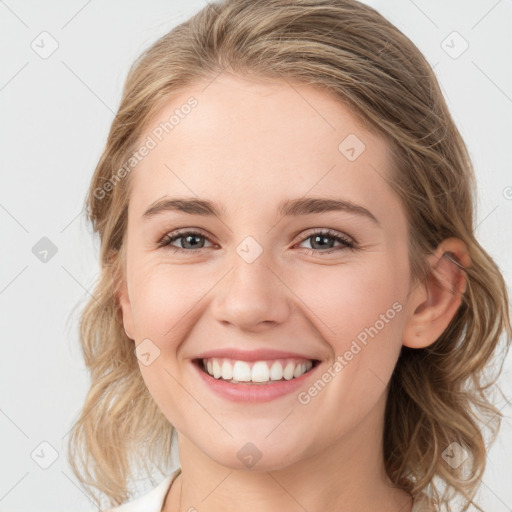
x=270, y=270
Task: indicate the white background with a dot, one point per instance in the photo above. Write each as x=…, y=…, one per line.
x=55, y=116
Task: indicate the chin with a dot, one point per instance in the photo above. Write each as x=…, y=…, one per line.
x=256, y=455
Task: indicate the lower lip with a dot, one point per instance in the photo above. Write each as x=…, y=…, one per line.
x=245, y=392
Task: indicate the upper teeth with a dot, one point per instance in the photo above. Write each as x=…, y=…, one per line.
x=257, y=371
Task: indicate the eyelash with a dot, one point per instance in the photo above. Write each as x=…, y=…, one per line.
x=347, y=243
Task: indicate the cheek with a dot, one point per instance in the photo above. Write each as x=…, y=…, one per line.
x=360, y=314
x=166, y=299
x=163, y=299
x=348, y=299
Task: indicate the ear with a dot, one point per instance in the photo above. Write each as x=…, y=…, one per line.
x=126, y=309
x=122, y=295
x=435, y=301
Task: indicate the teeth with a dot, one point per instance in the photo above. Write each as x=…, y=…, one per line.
x=288, y=371
x=258, y=371
x=227, y=371
x=216, y=369
x=299, y=370
x=241, y=371
x=276, y=371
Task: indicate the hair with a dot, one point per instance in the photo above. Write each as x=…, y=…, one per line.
x=438, y=395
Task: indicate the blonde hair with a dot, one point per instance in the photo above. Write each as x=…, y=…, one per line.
x=438, y=395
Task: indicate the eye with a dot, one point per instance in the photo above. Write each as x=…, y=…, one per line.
x=190, y=240
x=324, y=239
x=320, y=240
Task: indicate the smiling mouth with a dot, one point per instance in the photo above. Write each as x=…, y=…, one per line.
x=255, y=372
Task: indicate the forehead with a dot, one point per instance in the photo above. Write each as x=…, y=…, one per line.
x=259, y=142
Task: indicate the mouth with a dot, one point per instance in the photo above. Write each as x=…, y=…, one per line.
x=264, y=372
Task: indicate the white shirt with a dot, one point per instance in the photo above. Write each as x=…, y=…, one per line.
x=153, y=501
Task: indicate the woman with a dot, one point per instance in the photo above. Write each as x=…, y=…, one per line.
x=290, y=277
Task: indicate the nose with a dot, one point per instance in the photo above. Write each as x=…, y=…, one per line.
x=252, y=297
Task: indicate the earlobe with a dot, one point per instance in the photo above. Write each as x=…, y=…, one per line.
x=435, y=301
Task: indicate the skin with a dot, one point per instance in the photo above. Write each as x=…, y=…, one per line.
x=250, y=145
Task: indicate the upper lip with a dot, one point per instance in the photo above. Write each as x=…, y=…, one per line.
x=251, y=355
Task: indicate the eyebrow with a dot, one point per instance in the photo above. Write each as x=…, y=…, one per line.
x=290, y=207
